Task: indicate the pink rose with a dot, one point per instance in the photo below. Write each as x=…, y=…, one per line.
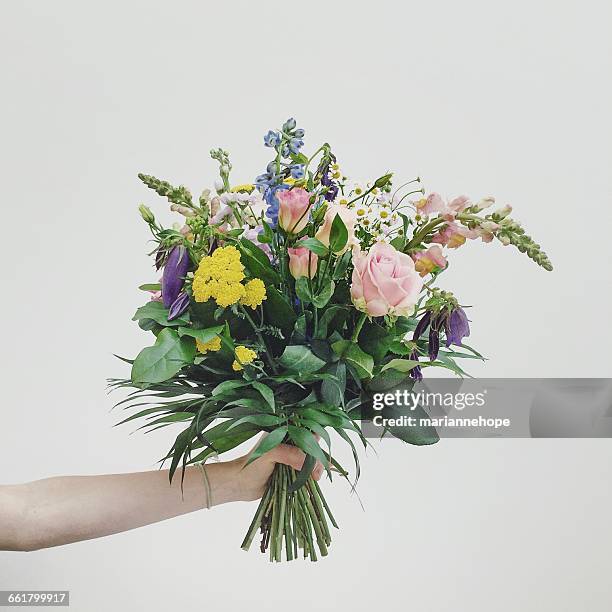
x=385, y=282
x=294, y=209
x=302, y=262
x=349, y=218
x=429, y=260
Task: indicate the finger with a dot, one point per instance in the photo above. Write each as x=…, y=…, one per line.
x=318, y=471
x=289, y=455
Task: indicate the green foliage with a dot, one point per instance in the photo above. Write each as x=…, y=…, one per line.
x=314, y=245
x=338, y=236
x=300, y=359
x=157, y=312
x=362, y=363
x=257, y=262
x=166, y=358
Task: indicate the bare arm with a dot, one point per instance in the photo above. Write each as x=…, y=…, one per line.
x=67, y=509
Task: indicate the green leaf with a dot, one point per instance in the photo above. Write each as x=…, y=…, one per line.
x=303, y=439
x=418, y=435
x=299, y=158
x=267, y=236
x=203, y=335
x=150, y=287
x=354, y=356
x=323, y=418
x=389, y=379
x=261, y=420
x=229, y=385
x=398, y=243
x=338, y=236
x=333, y=390
x=314, y=245
x=376, y=340
x=303, y=474
x=278, y=311
x=271, y=441
x=157, y=312
x=299, y=358
x=324, y=295
x=166, y=358
x=329, y=314
x=222, y=440
x=266, y=393
x=403, y=365
x=234, y=233
x=342, y=265
x=302, y=289
x=257, y=262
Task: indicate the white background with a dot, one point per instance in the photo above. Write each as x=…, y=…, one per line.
x=477, y=97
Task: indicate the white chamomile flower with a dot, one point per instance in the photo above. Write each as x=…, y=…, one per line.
x=358, y=189
x=361, y=212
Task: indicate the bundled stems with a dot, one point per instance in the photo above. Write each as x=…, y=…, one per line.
x=293, y=520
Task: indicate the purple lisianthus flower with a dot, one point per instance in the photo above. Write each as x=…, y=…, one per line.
x=421, y=325
x=456, y=326
x=179, y=306
x=434, y=343
x=416, y=372
x=173, y=278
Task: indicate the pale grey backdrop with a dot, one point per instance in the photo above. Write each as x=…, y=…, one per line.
x=511, y=99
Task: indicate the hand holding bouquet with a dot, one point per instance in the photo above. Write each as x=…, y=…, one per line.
x=283, y=301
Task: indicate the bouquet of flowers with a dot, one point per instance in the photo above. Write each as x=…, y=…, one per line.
x=282, y=302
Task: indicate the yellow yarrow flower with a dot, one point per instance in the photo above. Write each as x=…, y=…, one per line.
x=219, y=276
x=227, y=294
x=244, y=356
x=248, y=188
x=211, y=345
x=255, y=293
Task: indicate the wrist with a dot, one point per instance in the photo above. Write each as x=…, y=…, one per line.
x=224, y=482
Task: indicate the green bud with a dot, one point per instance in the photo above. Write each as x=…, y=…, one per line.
x=383, y=180
x=146, y=214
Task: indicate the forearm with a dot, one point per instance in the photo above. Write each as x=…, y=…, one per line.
x=67, y=509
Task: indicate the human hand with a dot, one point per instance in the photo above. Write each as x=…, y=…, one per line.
x=237, y=481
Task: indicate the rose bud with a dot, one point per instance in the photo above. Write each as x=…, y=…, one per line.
x=294, y=209
x=302, y=262
x=173, y=278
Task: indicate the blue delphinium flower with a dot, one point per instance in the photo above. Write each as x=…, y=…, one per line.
x=287, y=143
x=272, y=139
x=295, y=144
x=297, y=171
x=269, y=195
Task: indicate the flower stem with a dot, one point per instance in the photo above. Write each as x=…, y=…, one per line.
x=358, y=327
x=260, y=338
